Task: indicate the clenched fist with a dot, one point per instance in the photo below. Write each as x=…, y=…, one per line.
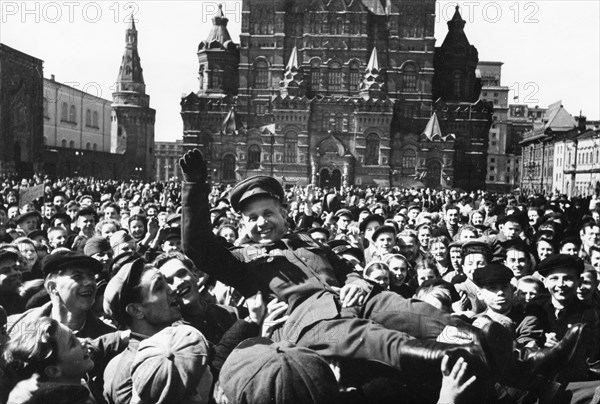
x=193, y=167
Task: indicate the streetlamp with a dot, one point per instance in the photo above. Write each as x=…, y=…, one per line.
x=137, y=172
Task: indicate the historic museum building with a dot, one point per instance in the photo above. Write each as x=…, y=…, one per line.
x=340, y=92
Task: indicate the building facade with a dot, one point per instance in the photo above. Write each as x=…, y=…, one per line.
x=541, y=161
x=503, y=159
x=167, y=155
x=340, y=92
x=21, y=114
x=65, y=132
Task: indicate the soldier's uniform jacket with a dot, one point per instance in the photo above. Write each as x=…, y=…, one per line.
x=298, y=270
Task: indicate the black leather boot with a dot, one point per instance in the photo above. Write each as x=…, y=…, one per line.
x=421, y=356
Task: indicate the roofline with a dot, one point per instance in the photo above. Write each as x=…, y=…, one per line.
x=20, y=53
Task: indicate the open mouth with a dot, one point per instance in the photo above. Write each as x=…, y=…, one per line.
x=87, y=293
x=183, y=291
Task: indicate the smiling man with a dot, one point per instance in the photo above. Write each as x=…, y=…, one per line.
x=71, y=284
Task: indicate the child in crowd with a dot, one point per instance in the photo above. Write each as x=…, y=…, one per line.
x=378, y=272
x=529, y=287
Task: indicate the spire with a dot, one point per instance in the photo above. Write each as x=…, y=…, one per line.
x=373, y=61
x=456, y=31
x=373, y=83
x=432, y=130
x=293, y=62
x=456, y=22
x=292, y=83
x=131, y=78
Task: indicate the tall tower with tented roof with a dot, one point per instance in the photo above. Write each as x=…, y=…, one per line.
x=132, y=119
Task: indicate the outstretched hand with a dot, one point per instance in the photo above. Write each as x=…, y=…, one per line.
x=193, y=167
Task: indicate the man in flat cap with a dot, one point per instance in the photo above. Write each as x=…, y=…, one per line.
x=70, y=280
x=350, y=321
x=561, y=273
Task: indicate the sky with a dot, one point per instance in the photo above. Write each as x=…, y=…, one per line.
x=550, y=48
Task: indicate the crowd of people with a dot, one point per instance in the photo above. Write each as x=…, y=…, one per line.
x=132, y=292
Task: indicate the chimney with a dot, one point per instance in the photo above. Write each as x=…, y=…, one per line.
x=581, y=123
x=51, y=77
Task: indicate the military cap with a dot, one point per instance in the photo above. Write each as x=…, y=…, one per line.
x=371, y=218
x=259, y=185
x=353, y=251
x=96, y=245
x=560, y=261
x=60, y=260
x=344, y=212
x=492, y=274
x=333, y=244
x=119, y=291
x=320, y=230
x=260, y=371
x=386, y=228
x=414, y=206
x=28, y=215
x=476, y=247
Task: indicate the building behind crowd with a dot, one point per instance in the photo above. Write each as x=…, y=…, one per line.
x=166, y=155
x=21, y=114
x=340, y=93
x=61, y=131
x=503, y=157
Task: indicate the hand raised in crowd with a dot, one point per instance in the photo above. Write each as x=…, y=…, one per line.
x=275, y=317
x=351, y=295
x=193, y=167
x=454, y=384
x=23, y=391
x=256, y=308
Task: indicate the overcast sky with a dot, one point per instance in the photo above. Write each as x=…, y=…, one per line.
x=550, y=48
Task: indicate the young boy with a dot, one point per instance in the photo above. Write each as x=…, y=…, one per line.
x=496, y=291
x=57, y=237
x=529, y=288
x=50, y=350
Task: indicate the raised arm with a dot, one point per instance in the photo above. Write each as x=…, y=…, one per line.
x=198, y=241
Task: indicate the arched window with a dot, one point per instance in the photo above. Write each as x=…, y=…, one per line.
x=315, y=76
x=95, y=119
x=254, y=157
x=410, y=78
x=72, y=144
x=229, y=168
x=88, y=146
x=261, y=74
x=95, y=147
x=334, y=79
x=339, y=26
x=339, y=122
x=457, y=85
x=88, y=118
x=291, y=147
x=354, y=78
x=72, y=114
x=63, y=143
x=409, y=159
x=64, y=112
x=372, y=151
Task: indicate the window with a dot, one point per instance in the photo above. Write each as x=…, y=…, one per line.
x=63, y=143
x=95, y=147
x=290, y=147
x=88, y=118
x=409, y=158
x=72, y=113
x=315, y=76
x=492, y=178
x=88, y=146
x=457, y=85
x=216, y=77
x=492, y=160
x=64, y=113
x=334, y=79
x=229, y=168
x=354, y=77
x=254, y=157
x=410, y=78
x=95, y=119
x=261, y=74
x=372, y=151
x=72, y=144
x=46, y=108
x=339, y=122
